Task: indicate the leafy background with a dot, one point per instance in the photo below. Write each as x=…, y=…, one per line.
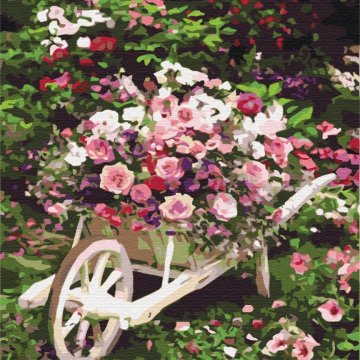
x=34, y=245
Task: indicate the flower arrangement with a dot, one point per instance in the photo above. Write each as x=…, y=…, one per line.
x=190, y=152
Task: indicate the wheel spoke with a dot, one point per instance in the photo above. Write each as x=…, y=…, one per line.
x=99, y=270
x=84, y=276
x=81, y=337
x=71, y=323
x=112, y=279
x=97, y=332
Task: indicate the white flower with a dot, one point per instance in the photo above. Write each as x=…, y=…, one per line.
x=183, y=76
x=225, y=86
x=76, y=156
x=230, y=351
x=135, y=113
x=90, y=17
x=107, y=123
x=42, y=15
x=258, y=150
x=83, y=42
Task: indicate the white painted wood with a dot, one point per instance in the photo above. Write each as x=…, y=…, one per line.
x=308, y=191
x=37, y=294
x=168, y=259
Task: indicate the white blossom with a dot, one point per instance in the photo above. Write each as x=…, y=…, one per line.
x=76, y=155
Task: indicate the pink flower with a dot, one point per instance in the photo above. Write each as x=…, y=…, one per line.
x=224, y=207
x=169, y=168
x=300, y=262
x=99, y=150
x=55, y=209
x=149, y=345
x=66, y=133
x=256, y=174
x=278, y=342
x=303, y=348
x=182, y=326
x=140, y=193
x=249, y=104
x=192, y=348
x=331, y=311
x=116, y=179
x=328, y=129
x=278, y=303
x=306, y=161
x=247, y=309
x=177, y=207
x=147, y=20
x=279, y=149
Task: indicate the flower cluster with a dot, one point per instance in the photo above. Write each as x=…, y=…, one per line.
x=189, y=150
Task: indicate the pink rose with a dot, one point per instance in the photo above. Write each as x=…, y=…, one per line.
x=169, y=168
x=279, y=149
x=99, y=150
x=224, y=207
x=140, y=193
x=331, y=311
x=278, y=342
x=249, y=104
x=256, y=174
x=300, y=262
x=177, y=207
x=116, y=179
x=303, y=348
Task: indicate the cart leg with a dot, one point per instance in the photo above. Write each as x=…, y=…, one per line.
x=168, y=258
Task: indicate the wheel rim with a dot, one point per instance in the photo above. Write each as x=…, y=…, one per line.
x=76, y=336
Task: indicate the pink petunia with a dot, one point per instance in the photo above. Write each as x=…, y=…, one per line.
x=300, y=262
x=303, y=348
x=331, y=311
x=328, y=129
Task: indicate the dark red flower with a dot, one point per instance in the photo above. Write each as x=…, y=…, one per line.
x=279, y=42
x=103, y=43
x=60, y=54
x=155, y=183
x=126, y=209
x=86, y=62
x=354, y=144
x=258, y=324
x=115, y=221
x=216, y=323
x=80, y=86
x=258, y=5
x=44, y=81
x=192, y=348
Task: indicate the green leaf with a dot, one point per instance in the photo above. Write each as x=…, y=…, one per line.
x=177, y=10
x=345, y=346
x=275, y=88
x=300, y=116
x=255, y=88
x=212, y=40
x=228, y=31
x=196, y=13
x=295, y=243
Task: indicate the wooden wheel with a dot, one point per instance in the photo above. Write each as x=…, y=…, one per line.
x=93, y=270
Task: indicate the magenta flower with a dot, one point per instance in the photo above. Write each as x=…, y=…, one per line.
x=249, y=104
